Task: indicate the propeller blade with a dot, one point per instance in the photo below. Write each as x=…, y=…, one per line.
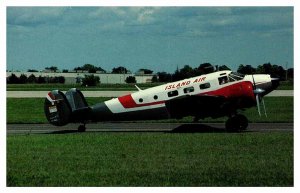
x=254, y=85
x=263, y=102
x=258, y=105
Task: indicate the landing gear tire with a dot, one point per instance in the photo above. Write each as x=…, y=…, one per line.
x=236, y=123
x=81, y=128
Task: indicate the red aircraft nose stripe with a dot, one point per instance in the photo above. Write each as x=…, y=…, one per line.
x=128, y=102
x=236, y=90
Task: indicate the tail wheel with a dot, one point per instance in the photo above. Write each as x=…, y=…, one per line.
x=81, y=128
x=236, y=123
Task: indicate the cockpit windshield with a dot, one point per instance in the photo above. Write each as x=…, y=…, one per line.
x=235, y=76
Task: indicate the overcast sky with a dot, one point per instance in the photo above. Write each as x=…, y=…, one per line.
x=158, y=38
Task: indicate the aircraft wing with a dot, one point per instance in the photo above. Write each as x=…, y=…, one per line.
x=196, y=105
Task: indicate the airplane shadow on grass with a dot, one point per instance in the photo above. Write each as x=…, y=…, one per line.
x=197, y=128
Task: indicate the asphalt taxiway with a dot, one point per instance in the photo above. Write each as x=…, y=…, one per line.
x=143, y=127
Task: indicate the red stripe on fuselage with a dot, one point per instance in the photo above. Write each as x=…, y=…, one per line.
x=128, y=102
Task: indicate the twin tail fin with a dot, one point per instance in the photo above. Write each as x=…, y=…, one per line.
x=61, y=109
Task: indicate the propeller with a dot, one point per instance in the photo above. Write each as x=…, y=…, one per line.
x=258, y=97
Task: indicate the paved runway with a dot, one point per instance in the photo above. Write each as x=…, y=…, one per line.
x=42, y=94
x=143, y=127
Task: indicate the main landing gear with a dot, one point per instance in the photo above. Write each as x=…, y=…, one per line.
x=236, y=123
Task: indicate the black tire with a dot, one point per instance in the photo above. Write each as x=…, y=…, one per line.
x=81, y=128
x=230, y=125
x=243, y=122
x=236, y=123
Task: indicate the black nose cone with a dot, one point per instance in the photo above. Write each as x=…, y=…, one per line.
x=275, y=83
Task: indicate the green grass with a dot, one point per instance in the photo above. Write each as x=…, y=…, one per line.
x=151, y=159
x=31, y=110
x=286, y=85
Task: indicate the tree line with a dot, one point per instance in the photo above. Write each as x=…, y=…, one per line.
x=90, y=68
x=179, y=74
x=205, y=68
x=88, y=80
x=267, y=68
x=23, y=79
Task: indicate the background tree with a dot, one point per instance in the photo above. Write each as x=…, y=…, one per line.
x=265, y=68
x=164, y=77
x=176, y=76
x=41, y=80
x=61, y=79
x=52, y=68
x=185, y=72
x=278, y=71
x=119, y=70
x=31, y=79
x=32, y=70
x=273, y=70
x=154, y=78
x=90, y=80
x=90, y=68
x=130, y=79
x=12, y=79
x=246, y=69
x=204, y=68
x=223, y=67
x=23, y=79
x=78, y=69
x=290, y=73
x=146, y=71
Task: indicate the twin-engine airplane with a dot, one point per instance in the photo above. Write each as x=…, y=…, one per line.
x=217, y=94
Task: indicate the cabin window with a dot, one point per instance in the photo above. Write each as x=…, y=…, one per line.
x=223, y=80
x=188, y=89
x=235, y=76
x=204, y=86
x=172, y=93
x=155, y=97
x=141, y=100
